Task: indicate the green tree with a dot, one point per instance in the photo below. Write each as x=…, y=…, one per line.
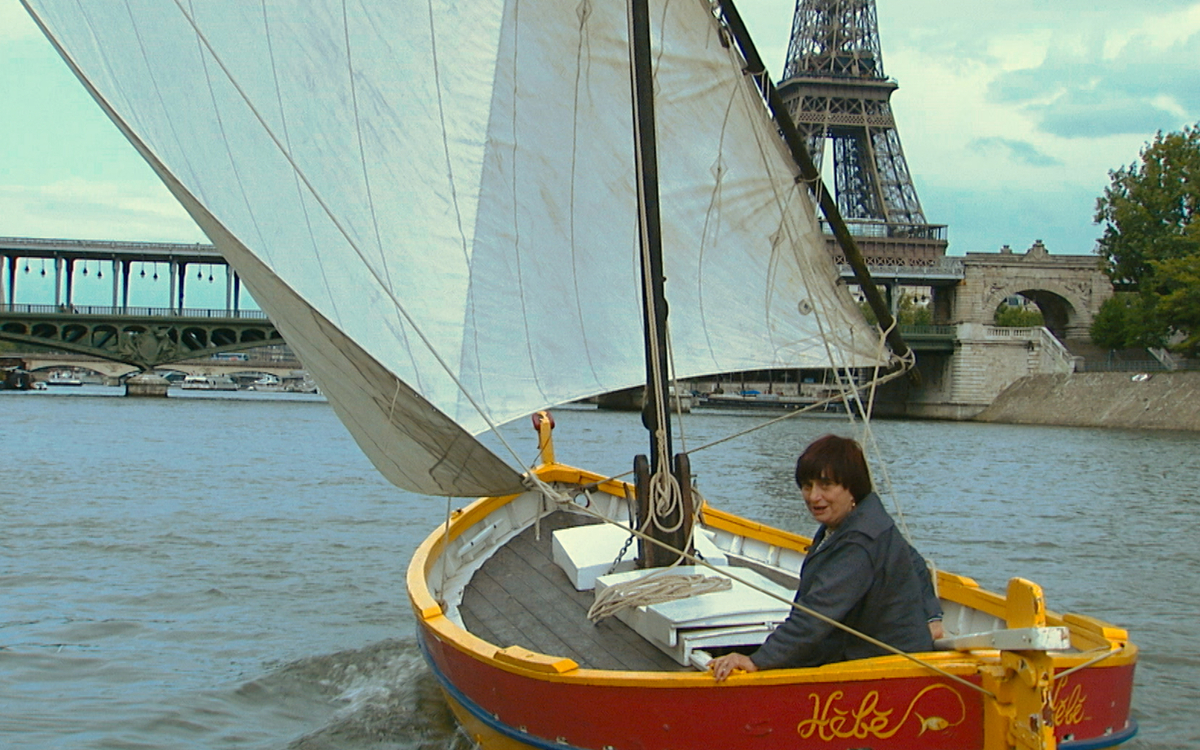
x=1151, y=241
x=1128, y=320
x=1177, y=284
x=1018, y=317
x=910, y=313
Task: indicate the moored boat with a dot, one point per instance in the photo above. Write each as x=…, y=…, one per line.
x=208, y=383
x=63, y=378
x=266, y=382
x=768, y=401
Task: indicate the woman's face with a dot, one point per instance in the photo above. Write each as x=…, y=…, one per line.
x=828, y=501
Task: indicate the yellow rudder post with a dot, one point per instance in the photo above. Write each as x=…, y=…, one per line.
x=544, y=424
x=1022, y=715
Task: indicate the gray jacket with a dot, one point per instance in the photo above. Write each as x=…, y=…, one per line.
x=862, y=576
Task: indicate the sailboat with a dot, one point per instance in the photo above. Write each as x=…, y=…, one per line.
x=463, y=214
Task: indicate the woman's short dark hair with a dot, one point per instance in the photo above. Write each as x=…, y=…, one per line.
x=839, y=459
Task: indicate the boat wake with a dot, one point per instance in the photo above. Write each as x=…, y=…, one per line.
x=383, y=696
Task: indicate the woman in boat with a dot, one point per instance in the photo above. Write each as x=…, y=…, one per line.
x=860, y=571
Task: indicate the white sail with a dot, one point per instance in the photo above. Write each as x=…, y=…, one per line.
x=435, y=200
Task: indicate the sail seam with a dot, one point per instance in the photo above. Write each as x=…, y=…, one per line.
x=585, y=11
x=342, y=230
x=471, y=348
x=208, y=80
x=518, y=266
x=296, y=180
x=366, y=175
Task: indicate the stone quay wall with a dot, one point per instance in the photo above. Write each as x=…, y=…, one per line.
x=1154, y=401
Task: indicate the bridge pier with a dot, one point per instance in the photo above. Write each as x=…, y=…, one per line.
x=146, y=385
x=986, y=359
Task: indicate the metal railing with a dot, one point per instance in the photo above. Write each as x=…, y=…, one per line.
x=1133, y=365
x=164, y=252
x=867, y=228
x=137, y=312
x=943, y=268
x=928, y=330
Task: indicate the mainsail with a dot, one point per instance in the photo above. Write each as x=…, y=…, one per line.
x=435, y=201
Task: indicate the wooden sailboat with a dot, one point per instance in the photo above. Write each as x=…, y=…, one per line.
x=441, y=207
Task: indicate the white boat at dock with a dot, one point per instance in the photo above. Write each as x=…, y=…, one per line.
x=208, y=383
x=267, y=383
x=755, y=400
x=59, y=378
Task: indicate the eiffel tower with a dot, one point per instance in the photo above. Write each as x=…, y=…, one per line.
x=835, y=89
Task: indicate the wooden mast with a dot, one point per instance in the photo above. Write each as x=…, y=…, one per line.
x=656, y=413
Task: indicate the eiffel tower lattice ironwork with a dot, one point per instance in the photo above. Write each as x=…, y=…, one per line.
x=835, y=89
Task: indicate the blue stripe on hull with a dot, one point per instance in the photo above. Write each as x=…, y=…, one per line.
x=482, y=715
x=1108, y=740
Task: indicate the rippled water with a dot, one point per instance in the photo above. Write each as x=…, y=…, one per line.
x=228, y=570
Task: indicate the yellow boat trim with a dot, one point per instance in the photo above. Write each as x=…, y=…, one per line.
x=532, y=661
x=1087, y=633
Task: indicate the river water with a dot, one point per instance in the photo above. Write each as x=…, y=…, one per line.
x=227, y=570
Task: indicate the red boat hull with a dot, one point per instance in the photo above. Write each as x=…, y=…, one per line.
x=504, y=708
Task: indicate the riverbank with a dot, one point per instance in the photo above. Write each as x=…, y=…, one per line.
x=1154, y=401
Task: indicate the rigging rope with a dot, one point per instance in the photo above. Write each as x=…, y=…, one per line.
x=655, y=588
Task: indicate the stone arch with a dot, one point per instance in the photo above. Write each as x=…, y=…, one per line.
x=1061, y=313
x=1068, y=289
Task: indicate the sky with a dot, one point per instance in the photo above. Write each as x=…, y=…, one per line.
x=1011, y=114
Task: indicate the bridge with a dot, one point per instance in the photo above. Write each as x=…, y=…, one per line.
x=1067, y=289
x=144, y=338
x=66, y=256
x=965, y=360
x=109, y=372
x=965, y=292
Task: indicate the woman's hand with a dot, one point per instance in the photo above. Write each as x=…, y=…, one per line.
x=723, y=666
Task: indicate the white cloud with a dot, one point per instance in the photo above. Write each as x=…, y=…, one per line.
x=1162, y=30
x=1021, y=152
x=80, y=209
x=15, y=23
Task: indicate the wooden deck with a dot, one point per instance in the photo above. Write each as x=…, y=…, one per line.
x=520, y=597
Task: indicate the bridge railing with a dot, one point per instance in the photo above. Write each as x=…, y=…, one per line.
x=1061, y=359
x=1055, y=357
x=130, y=311
x=1134, y=365
x=942, y=269
x=917, y=331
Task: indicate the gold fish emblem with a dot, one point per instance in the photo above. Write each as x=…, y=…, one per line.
x=936, y=723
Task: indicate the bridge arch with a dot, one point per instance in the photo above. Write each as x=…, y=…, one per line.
x=1060, y=313
x=1068, y=289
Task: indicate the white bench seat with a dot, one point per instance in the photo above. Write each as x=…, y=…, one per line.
x=741, y=616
